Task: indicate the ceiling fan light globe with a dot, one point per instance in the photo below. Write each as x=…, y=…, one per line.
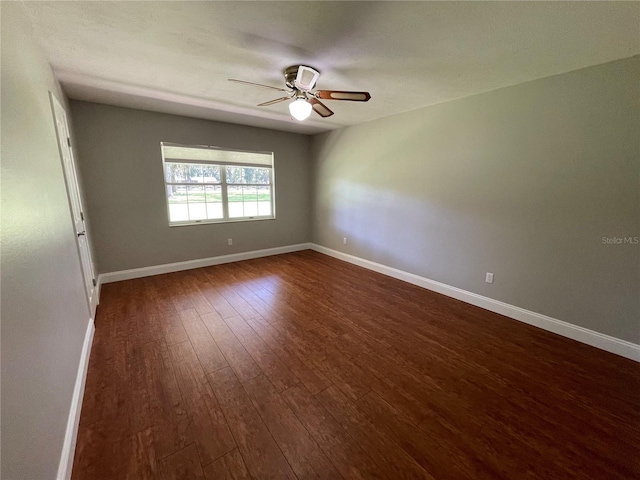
x=300, y=109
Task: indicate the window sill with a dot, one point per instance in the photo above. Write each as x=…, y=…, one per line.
x=209, y=222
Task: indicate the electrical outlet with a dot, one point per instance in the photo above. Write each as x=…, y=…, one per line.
x=344, y=240
x=230, y=241
x=489, y=278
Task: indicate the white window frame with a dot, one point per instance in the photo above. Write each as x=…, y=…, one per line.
x=223, y=184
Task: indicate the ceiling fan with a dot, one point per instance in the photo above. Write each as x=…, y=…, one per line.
x=300, y=80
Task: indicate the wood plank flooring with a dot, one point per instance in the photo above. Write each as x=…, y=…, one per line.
x=303, y=366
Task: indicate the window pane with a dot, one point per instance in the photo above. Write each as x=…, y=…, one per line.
x=211, y=174
x=178, y=212
x=194, y=173
x=264, y=201
x=234, y=195
x=177, y=193
x=261, y=176
x=197, y=211
x=214, y=211
x=175, y=172
x=234, y=175
x=183, y=173
x=213, y=193
x=248, y=175
x=195, y=194
x=250, y=198
x=197, y=207
x=213, y=196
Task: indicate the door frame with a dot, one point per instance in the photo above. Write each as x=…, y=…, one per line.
x=91, y=285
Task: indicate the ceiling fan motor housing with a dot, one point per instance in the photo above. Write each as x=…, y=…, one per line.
x=301, y=77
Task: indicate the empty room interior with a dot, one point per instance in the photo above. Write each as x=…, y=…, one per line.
x=280, y=240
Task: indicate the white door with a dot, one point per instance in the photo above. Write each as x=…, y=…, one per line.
x=71, y=178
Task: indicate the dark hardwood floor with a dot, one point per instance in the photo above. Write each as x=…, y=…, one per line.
x=303, y=366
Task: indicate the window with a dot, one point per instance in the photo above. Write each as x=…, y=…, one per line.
x=209, y=184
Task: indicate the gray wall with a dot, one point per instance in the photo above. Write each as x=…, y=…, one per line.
x=523, y=182
x=44, y=308
x=121, y=168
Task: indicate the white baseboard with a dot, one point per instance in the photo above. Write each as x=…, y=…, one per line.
x=199, y=263
x=95, y=299
x=575, y=332
x=584, y=335
x=69, y=447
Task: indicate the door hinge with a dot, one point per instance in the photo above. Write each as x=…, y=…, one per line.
x=68, y=141
x=82, y=216
x=94, y=282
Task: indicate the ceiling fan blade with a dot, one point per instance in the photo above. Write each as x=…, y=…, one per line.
x=342, y=95
x=320, y=108
x=257, y=85
x=271, y=102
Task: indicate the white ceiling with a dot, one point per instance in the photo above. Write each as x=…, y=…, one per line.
x=176, y=57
